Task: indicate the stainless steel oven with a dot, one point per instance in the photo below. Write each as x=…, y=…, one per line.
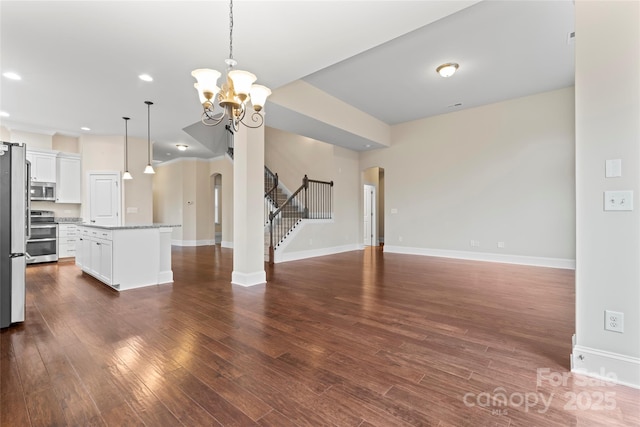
x=42, y=245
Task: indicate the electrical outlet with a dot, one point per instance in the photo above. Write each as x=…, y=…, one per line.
x=399, y=238
x=614, y=321
x=474, y=243
x=501, y=245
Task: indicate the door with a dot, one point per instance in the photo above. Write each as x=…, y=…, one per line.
x=104, y=198
x=369, y=215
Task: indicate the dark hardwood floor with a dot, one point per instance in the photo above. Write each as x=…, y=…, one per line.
x=356, y=339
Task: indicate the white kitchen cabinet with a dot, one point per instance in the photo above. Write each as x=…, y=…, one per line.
x=67, y=240
x=43, y=166
x=69, y=178
x=125, y=257
x=105, y=269
x=83, y=248
x=94, y=254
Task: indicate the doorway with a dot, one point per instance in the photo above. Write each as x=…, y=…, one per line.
x=369, y=215
x=373, y=206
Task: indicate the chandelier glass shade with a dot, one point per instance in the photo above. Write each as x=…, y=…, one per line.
x=231, y=100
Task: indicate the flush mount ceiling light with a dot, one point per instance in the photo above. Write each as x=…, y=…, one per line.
x=85, y=128
x=182, y=147
x=145, y=77
x=149, y=169
x=235, y=93
x=126, y=174
x=12, y=75
x=448, y=69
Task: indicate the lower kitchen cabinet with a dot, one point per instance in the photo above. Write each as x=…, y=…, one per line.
x=67, y=240
x=125, y=257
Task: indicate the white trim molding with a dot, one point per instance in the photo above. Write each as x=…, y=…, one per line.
x=249, y=279
x=226, y=244
x=569, y=264
x=312, y=253
x=607, y=366
x=207, y=242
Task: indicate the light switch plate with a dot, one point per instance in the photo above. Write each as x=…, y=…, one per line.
x=618, y=200
x=613, y=168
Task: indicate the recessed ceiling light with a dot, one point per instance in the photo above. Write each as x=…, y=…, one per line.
x=448, y=69
x=182, y=147
x=145, y=77
x=4, y=114
x=367, y=145
x=85, y=128
x=12, y=76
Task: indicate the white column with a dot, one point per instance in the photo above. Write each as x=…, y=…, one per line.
x=248, y=207
x=607, y=242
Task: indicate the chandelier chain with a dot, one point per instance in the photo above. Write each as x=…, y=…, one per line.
x=231, y=29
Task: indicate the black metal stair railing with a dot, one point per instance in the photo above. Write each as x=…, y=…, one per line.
x=313, y=199
x=271, y=186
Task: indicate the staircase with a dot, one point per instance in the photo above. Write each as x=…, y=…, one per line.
x=289, y=216
x=284, y=212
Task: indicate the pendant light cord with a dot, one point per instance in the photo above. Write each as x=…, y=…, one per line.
x=126, y=144
x=149, y=104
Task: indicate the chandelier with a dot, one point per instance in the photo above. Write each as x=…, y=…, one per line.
x=234, y=95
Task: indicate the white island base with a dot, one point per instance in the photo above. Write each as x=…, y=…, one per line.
x=126, y=257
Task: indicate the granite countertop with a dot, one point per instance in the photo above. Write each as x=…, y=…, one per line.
x=128, y=227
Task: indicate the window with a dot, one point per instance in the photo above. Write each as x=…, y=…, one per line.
x=216, y=204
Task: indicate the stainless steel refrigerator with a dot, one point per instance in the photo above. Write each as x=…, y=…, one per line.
x=14, y=231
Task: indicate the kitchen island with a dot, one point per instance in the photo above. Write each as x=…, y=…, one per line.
x=126, y=256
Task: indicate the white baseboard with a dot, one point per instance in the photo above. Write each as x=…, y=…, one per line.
x=248, y=279
x=226, y=244
x=292, y=256
x=569, y=264
x=606, y=366
x=207, y=242
x=165, y=277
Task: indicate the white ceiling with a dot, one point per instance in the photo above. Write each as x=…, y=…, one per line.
x=79, y=60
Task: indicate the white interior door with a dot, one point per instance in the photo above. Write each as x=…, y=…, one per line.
x=104, y=198
x=369, y=215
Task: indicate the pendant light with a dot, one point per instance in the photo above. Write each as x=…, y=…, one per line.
x=149, y=168
x=126, y=174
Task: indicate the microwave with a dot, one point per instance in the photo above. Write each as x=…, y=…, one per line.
x=43, y=191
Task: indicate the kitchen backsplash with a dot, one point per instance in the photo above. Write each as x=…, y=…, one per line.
x=66, y=210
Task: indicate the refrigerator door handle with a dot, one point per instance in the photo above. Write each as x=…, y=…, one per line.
x=28, y=255
x=28, y=198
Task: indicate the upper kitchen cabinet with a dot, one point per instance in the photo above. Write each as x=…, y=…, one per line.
x=43, y=166
x=69, y=178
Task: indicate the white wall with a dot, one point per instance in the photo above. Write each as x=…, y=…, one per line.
x=183, y=194
x=106, y=153
x=168, y=197
x=498, y=173
x=608, y=244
